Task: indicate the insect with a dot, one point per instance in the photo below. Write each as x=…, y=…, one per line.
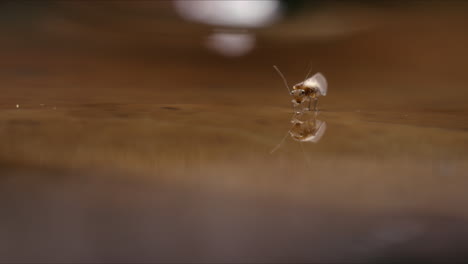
x=307, y=91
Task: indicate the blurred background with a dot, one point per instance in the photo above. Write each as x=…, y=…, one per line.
x=141, y=131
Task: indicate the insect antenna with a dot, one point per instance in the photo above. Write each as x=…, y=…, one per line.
x=310, y=70
x=282, y=77
x=281, y=142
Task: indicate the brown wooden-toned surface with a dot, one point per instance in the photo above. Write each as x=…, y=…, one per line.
x=125, y=139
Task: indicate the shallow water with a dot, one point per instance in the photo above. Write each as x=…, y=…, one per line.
x=166, y=157
x=118, y=174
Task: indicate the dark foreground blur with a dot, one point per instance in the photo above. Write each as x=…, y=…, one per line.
x=129, y=135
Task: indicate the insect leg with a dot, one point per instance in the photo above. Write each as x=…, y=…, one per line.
x=315, y=104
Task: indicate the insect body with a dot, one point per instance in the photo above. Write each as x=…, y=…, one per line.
x=307, y=91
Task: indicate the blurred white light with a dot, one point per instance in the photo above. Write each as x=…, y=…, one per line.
x=233, y=13
x=231, y=44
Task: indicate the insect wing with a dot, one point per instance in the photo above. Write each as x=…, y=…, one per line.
x=317, y=81
x=322, y=126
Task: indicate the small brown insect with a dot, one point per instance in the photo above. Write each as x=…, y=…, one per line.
x=307, y=91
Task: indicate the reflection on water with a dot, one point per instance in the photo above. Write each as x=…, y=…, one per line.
x=306, y=128
x=231, y=43
x=230, y=15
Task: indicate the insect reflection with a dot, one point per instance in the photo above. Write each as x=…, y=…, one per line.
x=305, y=128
